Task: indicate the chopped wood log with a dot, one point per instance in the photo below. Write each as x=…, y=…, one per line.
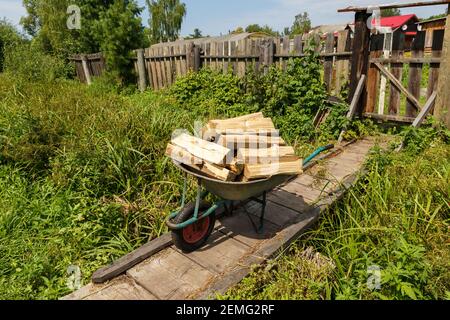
x=235, y=142
x=213, y=135
x=249, y=125
x=268, y=155
x=207, y=151
x=218, y=172
x=236, y=166
x=248, y=117
x=261, y=171
x=181, y=155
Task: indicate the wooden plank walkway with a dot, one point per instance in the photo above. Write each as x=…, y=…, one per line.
x=234, y=246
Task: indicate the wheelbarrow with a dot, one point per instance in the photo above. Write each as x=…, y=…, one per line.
x=192, y=225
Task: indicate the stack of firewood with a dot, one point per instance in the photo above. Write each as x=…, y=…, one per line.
x=240, y=149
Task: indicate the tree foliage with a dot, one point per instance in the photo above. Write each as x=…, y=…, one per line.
x=111, y=26
x=265, y=29
x=166, y=17
x=301, y=25
x=119, y=32
x=9, y=37
x=196, y=34
x=390, y=12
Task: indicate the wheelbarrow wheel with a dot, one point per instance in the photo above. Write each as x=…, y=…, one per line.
x=195, y=235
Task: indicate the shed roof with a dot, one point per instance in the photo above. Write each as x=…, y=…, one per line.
x=396, y=22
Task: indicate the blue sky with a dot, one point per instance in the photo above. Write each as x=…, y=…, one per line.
x=217, y=16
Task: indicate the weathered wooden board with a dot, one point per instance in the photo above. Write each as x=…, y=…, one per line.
x=219, y=253
x=126, y=289
x=240, y=228
x=170, y=275
x=276, y=214
x=296, y=202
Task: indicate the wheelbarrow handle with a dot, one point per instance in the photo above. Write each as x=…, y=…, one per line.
x=317, y=152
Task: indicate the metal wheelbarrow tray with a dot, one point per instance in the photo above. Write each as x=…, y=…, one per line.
x=235, y=191
x=193, y=223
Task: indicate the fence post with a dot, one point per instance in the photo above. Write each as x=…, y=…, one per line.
x=87, y=74
x=328, y=64
x=373, y=75
x=360, y=56
x=197, y=59
x=415, y=72
x=266, y=54
x=190, y=57
x=141, y=70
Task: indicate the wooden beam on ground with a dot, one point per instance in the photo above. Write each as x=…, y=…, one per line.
x=354, y=105
x=87, y=73
x=399, y=85
x=425, y=110
x=425, y=60
x=130, y=260
x=421, y=117
x=442, y=108
x=394, y=118
x=397, y=5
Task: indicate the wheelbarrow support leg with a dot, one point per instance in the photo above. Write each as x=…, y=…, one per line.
x=263, y=213
x=258, y=229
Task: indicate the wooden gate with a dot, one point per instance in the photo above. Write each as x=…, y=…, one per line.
x=411, y=76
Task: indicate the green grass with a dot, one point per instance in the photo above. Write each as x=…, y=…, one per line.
x=83, y=180
x=396, y=218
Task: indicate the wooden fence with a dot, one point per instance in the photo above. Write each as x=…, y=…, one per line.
x=88, y=66
x=159, y=66
x=399, y=85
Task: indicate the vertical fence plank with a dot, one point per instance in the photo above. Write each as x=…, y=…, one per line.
x=277, y=48
x=328, y=63
x=286, y=42
x=438, y=40
x=373, y=75
x=415, y=72
x=154, y=71
x=233, y=54
x=249, y=53
x=190, y=63
x=226, y=53
x=197, y=58
x=360, y=56
x=442, y=108
x=266, y=54
x=220, y=53
x=398, y=45
x=213, y=52
x=158, y=68
x=342, y=63
x=177, y=61
x=256, y=46
x=208, y=53
x=298, y=45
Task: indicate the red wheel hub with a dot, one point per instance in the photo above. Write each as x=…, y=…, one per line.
x=195, y=232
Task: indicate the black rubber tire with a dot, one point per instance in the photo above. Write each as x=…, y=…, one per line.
x=186, y=214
